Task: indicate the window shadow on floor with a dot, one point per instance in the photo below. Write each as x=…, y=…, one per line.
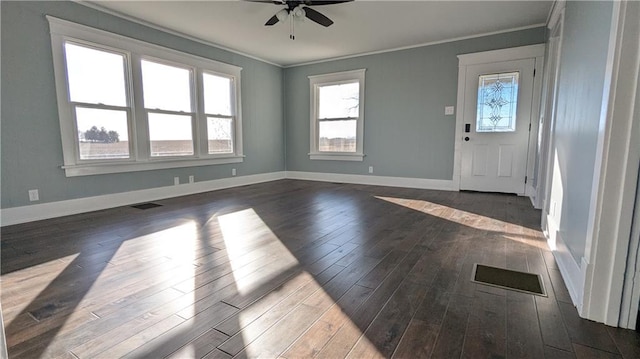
x=290, y=268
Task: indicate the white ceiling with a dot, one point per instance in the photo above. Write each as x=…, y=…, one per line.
x=360, y=26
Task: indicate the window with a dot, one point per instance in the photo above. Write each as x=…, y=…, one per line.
x=102, y=114
x=126, y=105
x=167, y=104
x=497, y=102
x=337, y=116
x=217, y=107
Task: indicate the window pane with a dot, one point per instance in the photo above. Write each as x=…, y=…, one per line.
x=95, y=76
x=337, y=136
x=170, y=135
x=339, y=101
x=217, y=95
x=497, y=102
x=102, y=134
x=166, y=87
x=220, y=135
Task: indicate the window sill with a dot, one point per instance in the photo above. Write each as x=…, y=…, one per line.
x=104, y=168
x=337, y=156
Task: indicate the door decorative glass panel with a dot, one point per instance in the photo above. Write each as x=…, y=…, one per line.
x=497, y=102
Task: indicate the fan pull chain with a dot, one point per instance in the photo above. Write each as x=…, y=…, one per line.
x=292, y=31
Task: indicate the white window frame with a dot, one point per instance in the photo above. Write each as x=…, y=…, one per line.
x=128, y=106
x=193, y=113
x=233, y=116
x=317, y=81
x=136, y=50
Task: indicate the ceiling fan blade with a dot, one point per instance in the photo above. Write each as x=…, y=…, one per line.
x=276, y=2
x=272, y=21
x=324, y=2
x=315, y=16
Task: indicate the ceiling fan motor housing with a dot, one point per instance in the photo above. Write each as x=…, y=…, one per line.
x=300, y=9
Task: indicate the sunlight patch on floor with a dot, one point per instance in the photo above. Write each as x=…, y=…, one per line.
x=164, y=250
x=477, y=221
x=243, y=232
x=169, y=254
x=554, y=206
x=459, y=216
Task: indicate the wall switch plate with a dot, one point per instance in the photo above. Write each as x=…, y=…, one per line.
x=233, y=171
x=449, y=110
x=34, y=195
x=191, y=179
x=370, y=169
x=176, y=181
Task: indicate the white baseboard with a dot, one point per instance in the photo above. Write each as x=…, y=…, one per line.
x=531, y=193
x=572, y=273
x=38, y=212
x=443, y=185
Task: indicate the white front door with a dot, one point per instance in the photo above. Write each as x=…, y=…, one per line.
x=496, y=125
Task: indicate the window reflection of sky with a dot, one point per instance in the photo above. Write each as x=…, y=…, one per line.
x=165, y=87
x=338, y=101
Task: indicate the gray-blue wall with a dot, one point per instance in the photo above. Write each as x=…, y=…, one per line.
x=30, y=133
x=406, y=133
x=583, y=62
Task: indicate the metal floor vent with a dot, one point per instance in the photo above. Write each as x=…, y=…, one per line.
x=508, y=279
x=147, y=205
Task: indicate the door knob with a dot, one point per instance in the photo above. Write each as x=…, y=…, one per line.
x=466, y=138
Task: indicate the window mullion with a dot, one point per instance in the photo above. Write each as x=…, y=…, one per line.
x=98, y=106
x=201, y=116
x=140, y=126
x=236, y=111
x=329, y=119
x=131, y=116
x=233, y=134
x=218, y=115
x=195, y=121
x=169, y=112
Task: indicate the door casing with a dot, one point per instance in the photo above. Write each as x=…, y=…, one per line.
x=497, y=161
x=516, y=53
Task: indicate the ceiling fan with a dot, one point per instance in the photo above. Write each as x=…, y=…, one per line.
x=300, y=9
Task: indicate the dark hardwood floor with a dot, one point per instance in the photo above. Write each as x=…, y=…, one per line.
x=293, y=269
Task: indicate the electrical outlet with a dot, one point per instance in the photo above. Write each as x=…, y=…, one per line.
x=370, y=169
x=449, y=110
x=233, y=171
x=176, y=181
x=191, y=179
x=34, y=195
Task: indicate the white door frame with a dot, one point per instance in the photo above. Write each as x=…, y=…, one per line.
x=602, y=286
x=571, y=271
x=514, y=53
x=616, y=171
x=546, y=123
x=631, y=290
